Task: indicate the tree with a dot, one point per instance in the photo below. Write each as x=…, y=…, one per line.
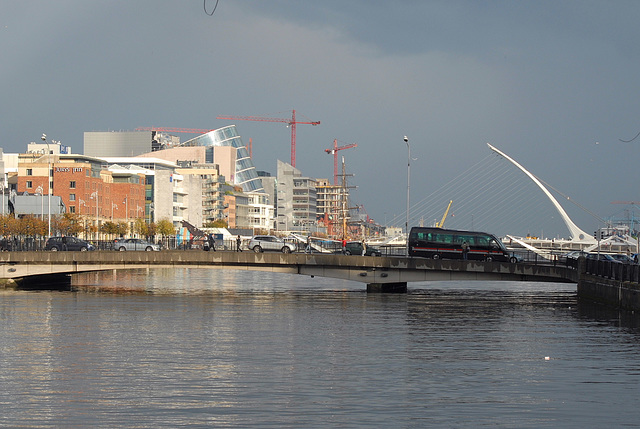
x=40, y=227
x=29, y=226
x=218, y=223
x=122, y=229
x=152, y=229
x=8, y=225
x=109, y=228
x=141, y=228
x=68, y=224
x=165, y=228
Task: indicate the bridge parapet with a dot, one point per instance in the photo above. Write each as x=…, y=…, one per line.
x=613, y=270
x=611, y=283
x=364, y=269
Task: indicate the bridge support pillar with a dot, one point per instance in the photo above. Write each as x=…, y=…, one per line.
x=396, y=287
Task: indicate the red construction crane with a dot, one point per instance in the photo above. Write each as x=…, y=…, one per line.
x=290, y=122
x=334, y=152
x=174, y=130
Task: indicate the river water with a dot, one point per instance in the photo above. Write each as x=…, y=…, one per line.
x=225, y=348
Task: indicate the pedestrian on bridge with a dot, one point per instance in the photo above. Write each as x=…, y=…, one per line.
x=238, y=244
x=465, y=250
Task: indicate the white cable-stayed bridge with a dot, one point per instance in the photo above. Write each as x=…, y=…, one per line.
x=492, y=195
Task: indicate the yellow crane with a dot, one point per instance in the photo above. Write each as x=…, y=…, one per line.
x=444, y=217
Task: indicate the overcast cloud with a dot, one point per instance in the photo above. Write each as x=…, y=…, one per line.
x=541, y=80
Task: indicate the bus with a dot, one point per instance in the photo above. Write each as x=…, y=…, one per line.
x=438, y=243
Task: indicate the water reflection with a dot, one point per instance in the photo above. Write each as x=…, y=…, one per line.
x=489, y=300
x=229, y=348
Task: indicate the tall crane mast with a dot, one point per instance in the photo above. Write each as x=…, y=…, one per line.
x=334, y=152
x=290, y=123
x=444, y=217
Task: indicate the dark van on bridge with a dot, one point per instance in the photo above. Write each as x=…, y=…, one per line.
x=438, y=243
x=68, y=243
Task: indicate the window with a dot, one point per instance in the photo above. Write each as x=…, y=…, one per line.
x=72, y=197
x=443, y=238
x=72, y=209
x=483, y=241
x=471, y=240
x=29, y=184
x=29, y=171
x=72, y=184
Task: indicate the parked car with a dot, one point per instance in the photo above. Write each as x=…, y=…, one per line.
x=55, y=244
x=575, y=254
x=355, y=248
x=602, y=257
x=621, y=257
x=134, y=244
x=261, y=243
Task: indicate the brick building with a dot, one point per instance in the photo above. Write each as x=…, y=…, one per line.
x=85, y=186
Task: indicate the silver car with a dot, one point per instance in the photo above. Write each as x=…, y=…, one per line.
x=261, y=243
x=134, y=244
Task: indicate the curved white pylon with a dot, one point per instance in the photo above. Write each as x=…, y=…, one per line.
x=576, y=233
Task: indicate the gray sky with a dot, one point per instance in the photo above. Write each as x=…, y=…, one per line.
x=541, y=80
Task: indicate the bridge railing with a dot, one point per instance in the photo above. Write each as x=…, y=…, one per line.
x=613, y=270
x=22, y=244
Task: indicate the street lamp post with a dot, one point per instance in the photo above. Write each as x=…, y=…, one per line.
x=81, y=203
x=95, y=195
x=126, y=212
x=406, y=225
x=138, y=210
x=44, y=139
x=39, y=191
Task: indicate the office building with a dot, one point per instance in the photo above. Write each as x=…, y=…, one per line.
x=244, y=172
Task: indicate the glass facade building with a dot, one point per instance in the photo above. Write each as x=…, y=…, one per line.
x=245, y=174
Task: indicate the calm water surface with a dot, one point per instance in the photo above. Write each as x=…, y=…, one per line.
x=217, y=348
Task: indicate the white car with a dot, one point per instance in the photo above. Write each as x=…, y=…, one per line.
x=261, y=243
x=134, y=244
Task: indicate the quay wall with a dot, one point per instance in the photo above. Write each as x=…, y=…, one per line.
x=613, y=284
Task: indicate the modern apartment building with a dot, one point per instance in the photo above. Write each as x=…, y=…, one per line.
x=296, y=200
x=261, y=211
x=211, y=196
x=167, y=192
x=332, y=206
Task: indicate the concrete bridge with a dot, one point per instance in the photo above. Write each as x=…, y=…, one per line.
x=380, y=274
